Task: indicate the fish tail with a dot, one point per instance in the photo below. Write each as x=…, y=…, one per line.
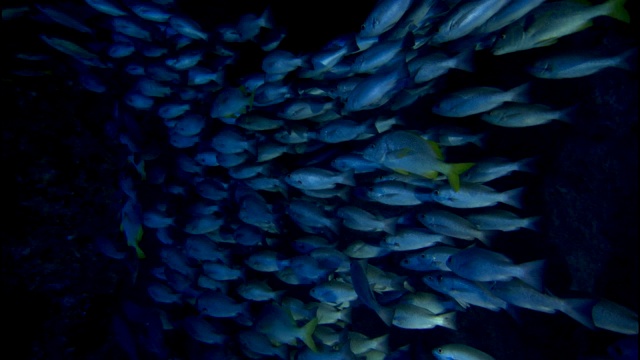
x=390, y=225
x=347, y=178
x=628, y=60
x=266, y=19
x=464, y=61
x=453, y=175
x=383, y=124
x=448, y=320
x=580, y=311
x=487, y=236
x=521, y=93
x=385, y=314
x=533, y=273
x=382, y=343
x=528, y=165
x=513, y=197
x=480, y=140
x=533, y=223
x=617, y=11
x=307, y=334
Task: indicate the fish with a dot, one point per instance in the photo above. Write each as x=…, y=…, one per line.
x=376, y=90
x=459, y=352
x=413, y=239
x=449, y=224
x=362, y=288
x=409, y=316
x=579, y=64
x=466, y=17
x=477, y=264
x=359, y=219
x=383, y=17
x=464, y=292
x=478, y=100
x=476, y=196
x=548, y=22
x=517, y=293
x=318, y=179
x=503, y=220
x=408, y=153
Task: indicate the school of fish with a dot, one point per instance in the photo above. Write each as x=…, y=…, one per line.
x=269, y=203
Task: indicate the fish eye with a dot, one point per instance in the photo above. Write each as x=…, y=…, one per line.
x=436, y=192
x=422, y=256
x=440, y=278
x=362, y=27
x=503, y=36
x=405, y=261
x=439, y=350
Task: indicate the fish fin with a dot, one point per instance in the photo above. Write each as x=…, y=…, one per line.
x=430, y=175
x=390, y=225
x=307, y=334
x=449, y=320
x=533, y=223
x=513, y=197
x=617, y=10
x=547, y=42
x=347, y=177
x=383, y=124
x=402, y=172
x=401, y=153
x=628, y=60
x=463, y=304
x=454, y=174
x=532, y=273
x=480, y=140
x=266, y=19
x=436, y=149
x=464, y=61
x=580, y=310
x=521, y=93
x=385, y=314
x=487, y=236
x=528, y=165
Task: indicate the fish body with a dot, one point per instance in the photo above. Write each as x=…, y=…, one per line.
x=409, y=316
x=463, y=291
x=312, y=178
x=459, y=352
x=431, y=259
x=478, y=264
x=406, y=152
x=550, y=21
x=574, y=65
x=477, y=100
x=412, y=239
x=466, y=17
x=449, y=224
x=383, y=17
x=476, y=196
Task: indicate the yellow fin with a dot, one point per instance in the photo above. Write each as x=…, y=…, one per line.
x=401, y=172
x=307, y=331
x=454, y=174
x=399, y=154
x=436, y=149
x=430, y=174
